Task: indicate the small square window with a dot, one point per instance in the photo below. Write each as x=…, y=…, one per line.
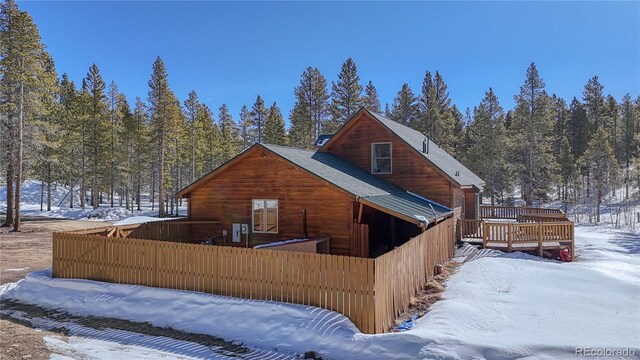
x=265, y=216
x=381, y=158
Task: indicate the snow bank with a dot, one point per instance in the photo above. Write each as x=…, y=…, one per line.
x=268, y=325
x=109, y=214
x=30, y=205
x=30, y=194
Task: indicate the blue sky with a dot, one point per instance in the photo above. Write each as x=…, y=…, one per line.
x=231, y=52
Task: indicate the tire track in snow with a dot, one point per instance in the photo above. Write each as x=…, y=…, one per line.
x=179, y=347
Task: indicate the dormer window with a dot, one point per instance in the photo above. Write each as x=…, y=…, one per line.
x=381, y=158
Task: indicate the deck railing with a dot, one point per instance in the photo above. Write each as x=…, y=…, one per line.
x=562, y=217
x=370, y=292
x=529, y=236
x=512, y=212
x=469, y=229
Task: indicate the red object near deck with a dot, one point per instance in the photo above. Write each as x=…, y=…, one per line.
x=565, y=255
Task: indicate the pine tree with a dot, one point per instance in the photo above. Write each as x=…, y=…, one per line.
x=229, y=133
x=405, y=106
x=310, y=112
x=274, y=131
x=578, y=132
x=600, y=162
x=458, y=132
x=211, y=139
x=594, y=103
x=114, y=127
x=346, y=95
x=70, y=128
x=208, y=153
x=258, y=116
x=628, y=137
x=531, y=131
x=560, y=119
x=466, y=143
x=613, y=116
x=44, y=132
x=247, y=135
x=445, y=121
x=370, y=99
x=191, y=108
x=97, y=110
x=566, y=164
x=436, y=119
x=162, y=104
x=142, y=150
x=126, y=155
x=178, y=156
x=27, y=75
x=487, y=155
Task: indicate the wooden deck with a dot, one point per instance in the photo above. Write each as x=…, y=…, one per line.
x=536, y=230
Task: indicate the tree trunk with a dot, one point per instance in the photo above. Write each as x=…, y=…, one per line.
x=95, y=201
x=161, y=205
x=153, y=190
x=16, y=219
x=8, y=221
x=71, y=194
x=48, y=187
x=83, y=192
x=42, y=194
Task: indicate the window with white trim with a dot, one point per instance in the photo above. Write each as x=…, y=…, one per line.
x=381, y=158
x=265, y=216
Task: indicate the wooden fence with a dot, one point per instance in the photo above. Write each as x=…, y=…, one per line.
x=176, y=230
x=360, y=238
x=339, y=283
x=371, y=293
x=401, y=273
x=512, y=212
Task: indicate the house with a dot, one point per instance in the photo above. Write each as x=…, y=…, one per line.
x=370, y=187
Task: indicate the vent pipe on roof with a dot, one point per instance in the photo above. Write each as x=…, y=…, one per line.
x=425, y=146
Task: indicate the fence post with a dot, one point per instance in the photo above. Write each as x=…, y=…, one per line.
x=485, y=234
x=509, y=237
x=540, y=239
x=573, y=244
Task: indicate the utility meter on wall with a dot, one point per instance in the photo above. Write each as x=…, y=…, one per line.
x=235, y=235
x=245, y=229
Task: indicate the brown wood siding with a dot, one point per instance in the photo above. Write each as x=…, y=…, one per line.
x=410, y=170
x=227, y=197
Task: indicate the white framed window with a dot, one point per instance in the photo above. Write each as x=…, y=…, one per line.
x=265, y=216
x=381, y=158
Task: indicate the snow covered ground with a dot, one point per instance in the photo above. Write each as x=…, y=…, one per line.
x=496, y=306
x=30, y=205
